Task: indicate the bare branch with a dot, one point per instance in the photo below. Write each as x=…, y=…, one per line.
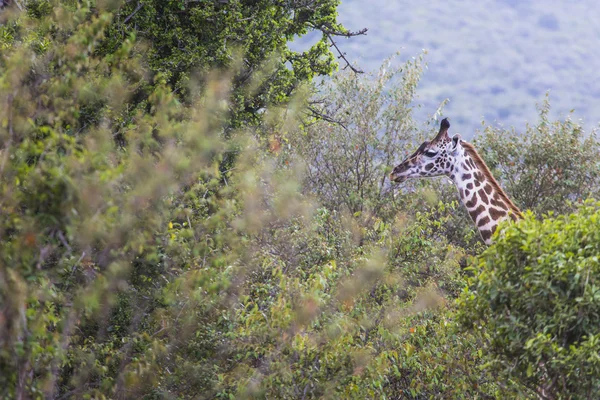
x=320, y=115
x=331, y=32
x=342, y=55
x=139, y=6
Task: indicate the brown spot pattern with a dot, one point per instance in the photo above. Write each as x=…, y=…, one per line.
x=500, y=204
x=486, y=234
x=474, y=213
x=497, y=214
x=473, y=202
x=483, y=221
x=484, y=197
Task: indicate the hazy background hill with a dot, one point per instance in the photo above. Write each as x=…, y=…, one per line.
x=493, y=59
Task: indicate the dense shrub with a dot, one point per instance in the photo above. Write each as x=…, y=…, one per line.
x=358, y=322
x=96, y=195
x=537, y=297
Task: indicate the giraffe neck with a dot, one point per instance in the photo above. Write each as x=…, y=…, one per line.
x=485, y=201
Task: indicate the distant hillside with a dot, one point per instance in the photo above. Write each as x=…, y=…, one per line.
x=493, y=59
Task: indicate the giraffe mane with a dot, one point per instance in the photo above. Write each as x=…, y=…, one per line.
x=470, y=149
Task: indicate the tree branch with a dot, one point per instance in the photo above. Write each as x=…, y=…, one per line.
x=318, y=114
x=343, y=56
x=347, y=34
x=139, y=6
x=330, y=33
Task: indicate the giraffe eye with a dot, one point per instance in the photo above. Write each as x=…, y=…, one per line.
x=430, y=153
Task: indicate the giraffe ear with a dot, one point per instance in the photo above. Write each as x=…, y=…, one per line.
x=454, y=144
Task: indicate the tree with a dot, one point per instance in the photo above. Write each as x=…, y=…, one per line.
x=132, y=266
x=187, y=39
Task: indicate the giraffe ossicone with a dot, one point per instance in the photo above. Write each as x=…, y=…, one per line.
x=479, y=191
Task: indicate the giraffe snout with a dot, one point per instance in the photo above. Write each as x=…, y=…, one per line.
x=398, y=175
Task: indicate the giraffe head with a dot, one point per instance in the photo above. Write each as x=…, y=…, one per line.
x=432, y=158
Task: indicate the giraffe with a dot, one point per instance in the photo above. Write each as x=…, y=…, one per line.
x=480, y=193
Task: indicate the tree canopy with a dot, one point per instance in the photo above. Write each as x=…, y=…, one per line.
x=187, y=39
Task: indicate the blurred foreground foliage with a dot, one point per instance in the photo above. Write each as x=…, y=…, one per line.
x=148, y=250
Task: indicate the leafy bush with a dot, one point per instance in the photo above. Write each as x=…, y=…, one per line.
x=358, y=322
x=549, y=167
x=348, y=162
x=132, y=264
x=537, y=296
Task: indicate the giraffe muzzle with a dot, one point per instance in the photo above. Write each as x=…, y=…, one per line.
x=397, y=178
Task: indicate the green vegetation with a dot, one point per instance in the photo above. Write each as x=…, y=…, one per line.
x=163, y=239
x=549, y=167
x=188, y=39
x=536, y=294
